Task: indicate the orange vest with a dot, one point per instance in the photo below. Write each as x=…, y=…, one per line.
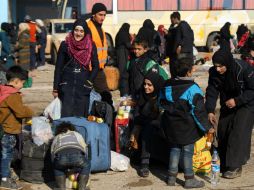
x=32, y=31
x=102, y=49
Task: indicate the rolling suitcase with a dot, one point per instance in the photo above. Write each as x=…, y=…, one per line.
x=97, y=137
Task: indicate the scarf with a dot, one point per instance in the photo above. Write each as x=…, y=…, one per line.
x=80, y=50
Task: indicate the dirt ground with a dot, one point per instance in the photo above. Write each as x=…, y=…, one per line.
x=38, y=98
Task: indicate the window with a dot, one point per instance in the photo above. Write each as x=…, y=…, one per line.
x=163, y=5
x=131, y=5
x=227, y=4
x=249, y=4
x=89, y=4
x=204, y=5
x=188, y=5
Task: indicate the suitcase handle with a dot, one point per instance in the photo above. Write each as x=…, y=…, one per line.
x=98, y=147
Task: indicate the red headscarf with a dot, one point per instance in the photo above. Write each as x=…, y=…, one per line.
x=161, y=29
x=80, y=50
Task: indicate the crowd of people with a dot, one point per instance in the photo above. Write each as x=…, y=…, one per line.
x=174, y=103
x=23, y=45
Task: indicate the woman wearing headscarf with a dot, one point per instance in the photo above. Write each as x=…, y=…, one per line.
x=123, y=45
x=233, y=81
x=23, y=46
x=73, y=79
x=148, y=34
x=225, y=36
x=146, y=117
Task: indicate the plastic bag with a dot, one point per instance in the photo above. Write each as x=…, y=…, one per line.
x=41, y=130
x=202, y=157
x=119, y=162
x=53, y=110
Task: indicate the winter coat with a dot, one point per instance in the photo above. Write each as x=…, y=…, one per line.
x=184, y=119
x=123, y=45
x=66, y=141
x=6, y=49
x=42, y=37
x=185, y=37
x=12, y=110
x=24, y=49
x=171, y=41
x=134, y=73
x=244, y=96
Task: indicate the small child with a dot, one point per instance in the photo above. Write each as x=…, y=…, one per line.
x=69, y=153
x=184, y=120
x=133, y=75
x=12, y=111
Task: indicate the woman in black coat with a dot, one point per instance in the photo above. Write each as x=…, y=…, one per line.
x=123, y=45
x=73, y=79
x=233, y=80
x=225, y=36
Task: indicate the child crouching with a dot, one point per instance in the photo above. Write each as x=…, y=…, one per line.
x=184, y=121
x=69, y=154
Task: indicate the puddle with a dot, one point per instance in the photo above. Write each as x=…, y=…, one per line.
x=140, y=183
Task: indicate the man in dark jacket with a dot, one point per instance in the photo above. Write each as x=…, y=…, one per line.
x=183, y=40
x=42, y=42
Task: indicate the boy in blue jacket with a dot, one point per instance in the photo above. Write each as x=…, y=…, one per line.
x=184, y=120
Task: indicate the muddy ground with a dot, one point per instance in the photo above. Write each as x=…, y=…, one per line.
x=38, y=98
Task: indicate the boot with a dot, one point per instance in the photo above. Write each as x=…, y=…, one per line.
x=60, y=182
x=233, y=173
x=144, y=170
x=83, y=182
x=171, y=181
x=193, y=183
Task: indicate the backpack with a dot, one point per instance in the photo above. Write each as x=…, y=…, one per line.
x=103, y=110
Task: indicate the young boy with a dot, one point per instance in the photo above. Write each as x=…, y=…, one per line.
x=184, y=120
x=69, y=153
x=133, y=75
x=12, y=111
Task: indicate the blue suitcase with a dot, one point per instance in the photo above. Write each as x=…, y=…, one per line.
x=97, y=137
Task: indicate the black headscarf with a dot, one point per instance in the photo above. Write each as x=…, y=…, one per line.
x=123, y=36
x=83, y=23
x=147, y=32
x=229, y=79
x=156, y=80
x=225, y=31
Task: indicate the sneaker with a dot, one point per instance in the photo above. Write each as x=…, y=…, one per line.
x=193, y=183
x=9, y=184
x=233, y=174
x=171, y=181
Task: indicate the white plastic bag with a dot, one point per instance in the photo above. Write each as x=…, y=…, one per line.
x=53, y=110
x=41, y=130
x=119, y=162
x=93, y=96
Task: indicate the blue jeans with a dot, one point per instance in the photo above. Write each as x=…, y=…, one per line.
x=8, y=144
x=175, y=152
x=73, y=161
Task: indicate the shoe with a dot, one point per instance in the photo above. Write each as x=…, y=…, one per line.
x=83, y=182
x=60, y=182
x=144, y=171
x=233, y=174
x=193, y=183
x=10, y=184
x=171, y=181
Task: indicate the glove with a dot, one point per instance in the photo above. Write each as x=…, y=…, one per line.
x=88, y=84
